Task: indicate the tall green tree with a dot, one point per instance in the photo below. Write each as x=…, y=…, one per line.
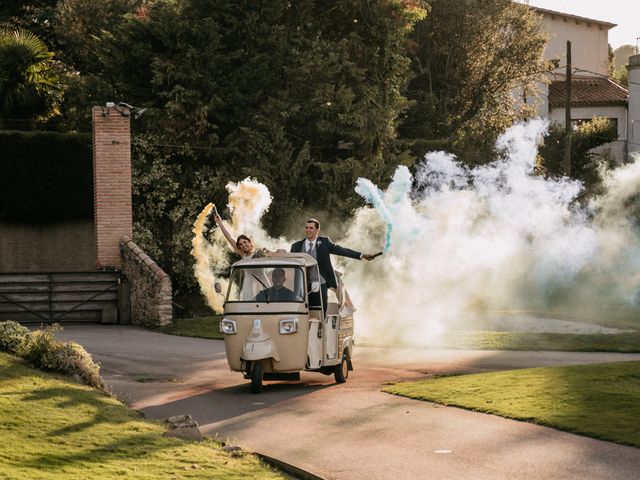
x=473, y=64
x=34, y=15
x=621, y=56
x=31, y=83
x=78, y=25
x=328, y=73
x=618, y=66
x=304, y=96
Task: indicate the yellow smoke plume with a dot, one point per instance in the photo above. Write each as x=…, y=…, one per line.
x=208, y=260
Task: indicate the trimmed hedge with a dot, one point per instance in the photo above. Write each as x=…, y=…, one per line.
x=45, y=176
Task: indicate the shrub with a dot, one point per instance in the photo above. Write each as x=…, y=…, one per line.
x=586, y=166
x=42, y=350
x=13, y=337
x=72, y=359
x=39, y=344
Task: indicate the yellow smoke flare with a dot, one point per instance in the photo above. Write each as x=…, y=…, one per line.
x=204, y=253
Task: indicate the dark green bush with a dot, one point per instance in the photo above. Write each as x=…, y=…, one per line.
x=45, y=177
x=585, y=165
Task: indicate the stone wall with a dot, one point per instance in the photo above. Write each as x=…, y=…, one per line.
x=150, y=286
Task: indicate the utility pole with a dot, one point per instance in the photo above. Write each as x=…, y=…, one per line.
x=567, y=116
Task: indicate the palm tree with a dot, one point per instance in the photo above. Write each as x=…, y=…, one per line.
x=30, y=79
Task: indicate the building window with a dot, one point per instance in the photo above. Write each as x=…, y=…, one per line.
x=576, y=122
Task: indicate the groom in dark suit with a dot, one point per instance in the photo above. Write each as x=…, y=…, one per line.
x=321, y=249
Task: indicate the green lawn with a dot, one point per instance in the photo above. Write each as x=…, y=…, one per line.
x=619, y=342
x=207, y=327
x=624, y=317
x=201, y=327
x=601, y=401
x=53, y=429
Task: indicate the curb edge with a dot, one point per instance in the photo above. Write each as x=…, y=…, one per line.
x=288, y=468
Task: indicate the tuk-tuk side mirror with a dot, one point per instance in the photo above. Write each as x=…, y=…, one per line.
x=315, y=287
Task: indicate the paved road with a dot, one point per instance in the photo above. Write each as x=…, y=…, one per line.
x=353, y=431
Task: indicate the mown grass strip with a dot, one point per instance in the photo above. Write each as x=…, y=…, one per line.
x=599, y=401
x=628, y=342
x=53, y=429
x=531, y=341
x=619, y=342
x=624, y=317
x=200, y=327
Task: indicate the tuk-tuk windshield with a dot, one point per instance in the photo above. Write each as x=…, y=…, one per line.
x=266, y=284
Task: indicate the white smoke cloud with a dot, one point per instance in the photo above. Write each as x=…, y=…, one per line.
x=467, y=241
x=249, y=200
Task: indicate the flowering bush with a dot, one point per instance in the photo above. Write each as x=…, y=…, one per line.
x=13, y=337
x=42, y=350
x=40, y=342
x=72, y=359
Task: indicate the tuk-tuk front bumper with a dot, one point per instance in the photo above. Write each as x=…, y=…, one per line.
x=260, y=350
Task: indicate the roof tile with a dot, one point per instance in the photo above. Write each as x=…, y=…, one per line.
x=588, y=92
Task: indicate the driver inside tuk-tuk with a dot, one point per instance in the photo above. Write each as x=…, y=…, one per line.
x=277, y=292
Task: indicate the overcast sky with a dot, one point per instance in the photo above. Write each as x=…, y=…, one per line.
x=624, y=13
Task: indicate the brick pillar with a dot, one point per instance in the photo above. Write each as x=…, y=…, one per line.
x=111, y=182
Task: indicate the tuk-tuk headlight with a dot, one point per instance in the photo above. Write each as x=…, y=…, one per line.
x=288, y=325
x=228, y=326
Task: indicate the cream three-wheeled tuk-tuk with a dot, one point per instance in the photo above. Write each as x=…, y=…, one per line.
x=273, y=323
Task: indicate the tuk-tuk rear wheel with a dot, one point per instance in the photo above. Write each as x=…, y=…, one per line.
x=341, y=371
x=256, y=377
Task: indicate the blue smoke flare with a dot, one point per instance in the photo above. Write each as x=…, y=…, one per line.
x=373, y=195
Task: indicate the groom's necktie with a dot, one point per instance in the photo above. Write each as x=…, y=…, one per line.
x=310, y=248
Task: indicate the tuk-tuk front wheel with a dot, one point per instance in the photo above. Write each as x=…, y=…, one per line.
x=341, y=371
x=256, y=377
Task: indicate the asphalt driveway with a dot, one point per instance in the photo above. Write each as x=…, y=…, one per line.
x=352, y=431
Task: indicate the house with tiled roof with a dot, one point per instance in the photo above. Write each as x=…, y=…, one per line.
x=592, y=92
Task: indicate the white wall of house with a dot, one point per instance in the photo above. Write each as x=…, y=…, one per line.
x=634, y=104
x=589, y=48
x=587, y=113
x=589, y=42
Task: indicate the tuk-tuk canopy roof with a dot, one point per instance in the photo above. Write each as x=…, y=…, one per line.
x=278, y=259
